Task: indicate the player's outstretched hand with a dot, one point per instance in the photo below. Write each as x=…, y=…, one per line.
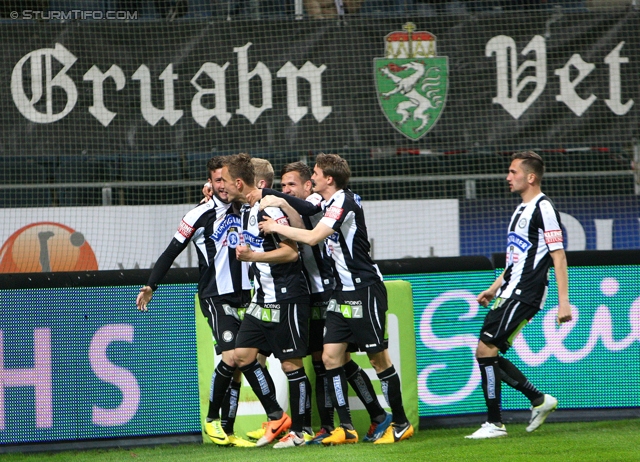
x=254, y=196
x=144, y=297
x=267, y=224
x=485, y=298
x=272, y=201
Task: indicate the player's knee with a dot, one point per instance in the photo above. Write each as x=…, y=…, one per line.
x=484, y=350
x=330, y=361
x=380, y=361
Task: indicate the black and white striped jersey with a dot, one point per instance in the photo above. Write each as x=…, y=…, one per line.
x=349, y=245
x=534, y=231
x=272, y=282
x=317, y=265
x=215, y=231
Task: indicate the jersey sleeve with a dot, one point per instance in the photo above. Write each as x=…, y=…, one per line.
x=278, y=215
x=188, y=227
x=334, y=216
x=552, y=229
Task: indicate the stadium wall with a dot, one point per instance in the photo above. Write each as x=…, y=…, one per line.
x=80, y=366
x=123, y=87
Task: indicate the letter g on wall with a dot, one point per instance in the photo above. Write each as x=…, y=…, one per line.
x=43, y=83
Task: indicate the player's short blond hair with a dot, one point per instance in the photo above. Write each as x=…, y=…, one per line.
x=263, y=171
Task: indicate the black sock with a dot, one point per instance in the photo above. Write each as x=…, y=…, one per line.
x=514, y=377
x=337, y=385
x=490, y=372
x=323, y=398
x=392, y=391
x=363, y=387
x=220, y=380
x=230, y=407
x=255, y=375
x=297, y=398
x=307, y=407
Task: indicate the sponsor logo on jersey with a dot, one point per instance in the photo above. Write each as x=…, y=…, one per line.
x=186, y=229
x=552, y=237
x=252, y=240
x=411, y=81
x=228, y=222
x=282, y=221
x=358, y=200
x=517, y=241
x=334, y=212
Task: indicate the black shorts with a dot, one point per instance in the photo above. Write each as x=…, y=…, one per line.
x=504, y=322
x=359, y=317
x=224, y=321
x=283, y=331
x=319, y=303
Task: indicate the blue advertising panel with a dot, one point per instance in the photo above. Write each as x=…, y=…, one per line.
x=590, y=223
x=83, y=363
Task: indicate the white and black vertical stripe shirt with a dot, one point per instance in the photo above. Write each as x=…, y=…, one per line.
x=273, y=282
x=534, y=231
x=215, y=231
x=349, y=245
x=318, y=267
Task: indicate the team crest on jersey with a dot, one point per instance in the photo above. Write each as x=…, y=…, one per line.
x=233, y=239
x=412, y=81
x=522, y=223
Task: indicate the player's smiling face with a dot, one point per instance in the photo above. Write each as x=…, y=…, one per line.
x=293, y=186
x=218, y=185
x=517, y=177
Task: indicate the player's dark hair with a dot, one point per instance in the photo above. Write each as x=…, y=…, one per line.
x=531, y=162
x=334, y=166
x=300, y=167
x=215, y=163
x=240, y=166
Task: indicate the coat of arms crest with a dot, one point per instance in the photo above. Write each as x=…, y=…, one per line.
x=412, y=81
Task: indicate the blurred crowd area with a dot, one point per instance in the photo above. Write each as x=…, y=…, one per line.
x=311, y=9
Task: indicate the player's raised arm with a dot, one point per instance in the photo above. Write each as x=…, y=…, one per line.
x=309, y=237
x=301, y=206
